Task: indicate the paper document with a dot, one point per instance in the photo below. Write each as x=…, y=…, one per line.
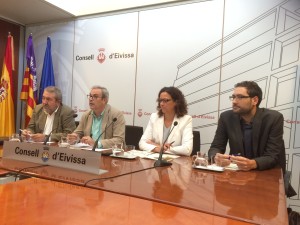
x=232, y=166
x=139, y=153
x=80, y=145
x=155, y=156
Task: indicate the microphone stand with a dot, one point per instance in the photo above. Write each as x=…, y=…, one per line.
x=160, y=162
x=48, y=136
x=96, y=141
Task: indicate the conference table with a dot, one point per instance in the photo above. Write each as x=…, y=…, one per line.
x=133, y=192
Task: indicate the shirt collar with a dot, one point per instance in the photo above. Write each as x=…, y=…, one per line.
x=99, y=117
x=52, y=113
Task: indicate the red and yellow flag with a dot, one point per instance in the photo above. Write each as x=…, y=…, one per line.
x=29, y=86
x=7, y=111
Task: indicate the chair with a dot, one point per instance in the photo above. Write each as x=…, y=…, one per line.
x=133, y=135
x=196, y=142
x=289, y=190
x=74, y=116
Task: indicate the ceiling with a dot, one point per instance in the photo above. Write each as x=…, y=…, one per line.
x=29, y=12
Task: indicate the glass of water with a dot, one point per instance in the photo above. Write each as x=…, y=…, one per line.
x=117, y=150
x=15, y=137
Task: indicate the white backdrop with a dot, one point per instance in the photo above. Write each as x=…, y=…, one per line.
x=203, y=48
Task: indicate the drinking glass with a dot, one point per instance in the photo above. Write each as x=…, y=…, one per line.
x=29, y=138
x=64, y=142
x=221, y=161
x=117, y=149
x=200, y=159
x=129, y=147
x=15, y=137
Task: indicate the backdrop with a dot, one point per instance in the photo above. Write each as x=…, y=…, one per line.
x=203, y=48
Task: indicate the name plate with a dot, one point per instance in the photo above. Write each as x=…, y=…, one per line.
x=81, y=160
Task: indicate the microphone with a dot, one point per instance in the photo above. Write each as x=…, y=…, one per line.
x=160, y=162
x=47, y=137
x=96, y=141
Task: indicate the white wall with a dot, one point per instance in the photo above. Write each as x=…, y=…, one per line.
x=203, y=48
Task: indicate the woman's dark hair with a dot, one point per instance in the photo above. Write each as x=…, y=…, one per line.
x=252, y=89
x=178, y=97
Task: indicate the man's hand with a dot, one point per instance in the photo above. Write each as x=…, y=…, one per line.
x=221, y=160
x=72, y=138
x=87, y=140
x=244, y=163
x=38, y=137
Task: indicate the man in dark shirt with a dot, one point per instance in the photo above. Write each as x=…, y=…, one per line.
x=255, y=134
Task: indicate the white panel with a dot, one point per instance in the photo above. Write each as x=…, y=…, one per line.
x=170, y=42
x=107, y=36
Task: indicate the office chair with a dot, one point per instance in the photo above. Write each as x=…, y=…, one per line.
x=133, y=135
x=196, y=142
x=74, y=116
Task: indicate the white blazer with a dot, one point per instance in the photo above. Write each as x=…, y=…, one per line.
x=182, y=135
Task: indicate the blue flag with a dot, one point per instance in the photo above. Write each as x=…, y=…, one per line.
x=47, y=73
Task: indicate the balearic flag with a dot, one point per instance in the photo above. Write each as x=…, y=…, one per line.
x=29, y=87
x=47, y=73
x=7, y=111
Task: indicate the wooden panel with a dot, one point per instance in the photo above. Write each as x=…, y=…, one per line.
x=254, y=196
x=34, y=201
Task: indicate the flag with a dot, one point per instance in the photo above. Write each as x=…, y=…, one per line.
x=29, y=86
x=7, y=111
x=47, y=73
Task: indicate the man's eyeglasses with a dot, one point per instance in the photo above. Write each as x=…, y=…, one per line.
x=238, y=97
x=93, y=96
x=165, y=100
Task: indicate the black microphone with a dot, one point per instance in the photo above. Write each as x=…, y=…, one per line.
x=160, y=162
x=96, y=141
x=47, y=137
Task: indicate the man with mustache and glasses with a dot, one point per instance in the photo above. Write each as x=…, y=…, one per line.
x=255, y=135
x=50, y=117
x=100, y=119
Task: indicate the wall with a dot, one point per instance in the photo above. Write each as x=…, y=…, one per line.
x=203, y=48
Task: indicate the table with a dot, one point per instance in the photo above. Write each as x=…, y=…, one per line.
x=2, y=171
x=38, y=201
x=256, y=197
x=75, y=177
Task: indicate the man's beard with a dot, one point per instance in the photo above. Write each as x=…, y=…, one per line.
x=242, y=112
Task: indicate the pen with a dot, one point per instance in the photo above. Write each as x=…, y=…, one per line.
x=238, y=154
x=170, y=144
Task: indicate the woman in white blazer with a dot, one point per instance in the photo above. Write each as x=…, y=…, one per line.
x=172, y=110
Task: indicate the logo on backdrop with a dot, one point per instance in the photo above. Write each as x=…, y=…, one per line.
x=101, y=57
x=140, y=113
x=3, y=89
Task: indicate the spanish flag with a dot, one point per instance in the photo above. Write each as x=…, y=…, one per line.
x=29, y=87
x=7, y=111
